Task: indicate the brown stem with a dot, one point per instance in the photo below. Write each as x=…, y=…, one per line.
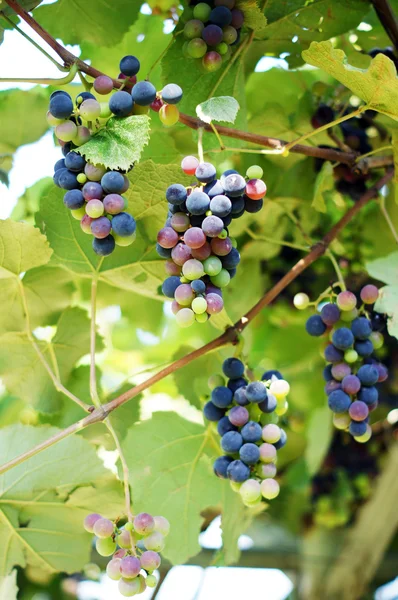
x=229, y=336
x=387, y=18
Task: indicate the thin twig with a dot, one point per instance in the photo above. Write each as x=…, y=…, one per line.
x=384, y=212
x=270, y=240
x=387, y=18
x=93, y=334
x=125, y=469
x=336, y=267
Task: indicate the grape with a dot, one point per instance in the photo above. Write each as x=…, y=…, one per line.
x=103, y=84
x=184, y=294
x=237, y=18
x=90, y=109
x=233, y=185
x=150, y=561
x=221, y=465
x=124, y=241
x=92, y=191
x=90, y=521
x=60, y=164
x=144, y=523
x=369, y=395
x=189, y=164
x=249, y=453
x=143, y=93
x=199, y=306
x=52, y=121
x=341, y=370
x=267, y=453
x=167, y=238
x=269, y=404
x=82, y=136
x=350, y=356
x=198, y=203
x=163, y=252
x=84, y=96
x=73, y=199
x=224, y=425
x=100, y=228
x=301, y=301
x=341, y=421
x=221, y=396
x=154, y=541
x=74, y=162
x=175, y=307
x=222, y=279
x=230, y=35
x=193, y=29
x=254, y=172
x=124, y=225
x=250, y=489
x=212, y=61
x=61, y=106
x=113, y=204
x=268, y=470
x=339, y=401
x=231, y=260
x=169, y=114
x=105, y=546
x=94, y=208
x=222, y=48
x=358, y=411
x=383, y=372
x=271, y=433
x=235, y=384
x=212, y=266
x=124, y=539
x=112, y=182
x=349, y=315
x=220, y=206
x=66, y=179
x=202, y=12
x=239, y=416
x=351, y=384
x=221, y=16
x=315, y=326
x=212, y=226
x=332, y=354
x=180, y=254
x=361, y=328
x=343, y=338
x=357, y=428
x=104, y=247
x=128, y=588
x=81, y=178
x=78, y=213
x=185, y=317
x=231, y=441
x=113, y=569
x=369, y=294
x=66, y=131
x=215, y=303
x=228, y=3
x=170, y=285
x=364, y=348
x=157, y=104
x=256, y=189
x=163, y=526
x=121, y=104
x=205, y=172
x=330, y=314
x=327, y=373
x=176, y=194
x=251, y=432
x=171, y=93
x=212, y=35
x=269, y=489
x=377, y=339
x=221, y=247
x=129, y=65
x=193, y=269
x=368, y=375
x=237, y=471
x=180, y=222
x=195, y=238
x=198, y=286
x=213, y=412
x=346, y=301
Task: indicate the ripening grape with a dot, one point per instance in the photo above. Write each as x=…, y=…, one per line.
x=169, y=114
x=167, y=237
x=195, y=237
x=90, y=521
x=271, y=433
x=267, y=453
x=124, y=539
x=130, y=567
x=212, y=61
x=346, y=301
x=180, y=222
x=162, y=525
x=113, y=569
x=155, y=541
x=199, y=305
x=185, y=317
x=66, y=131
x=180, y=254
x=144, y=523
x=268, y=470
x=105, y=546
x=113, y=204
x=270, y=489
x=103, y=84
x=256, y=189
x=150, y=560
x=103, y=528
x=189, y=165
x=90, y=109
x=215, y=303
x=193, y=269
x=101, y=227
x=369, y=294
x=94, y=208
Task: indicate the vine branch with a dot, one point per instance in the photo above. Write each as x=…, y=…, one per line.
x=387, y=18
x=230, y=336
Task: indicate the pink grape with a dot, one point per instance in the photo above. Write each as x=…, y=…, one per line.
x=113, y=204
x=129, y=587
x=212, y=226
x=267, y=453
x=189, y=165
x=90, y=521
x=103, y=528
x=351, y=384
x=195, y=237
x=82, y=135
x=184, y=294
x=144, y=523
x=269, y=488
x=162, y=525
x=172, y=268
x=130, y=567
x=113, y=569
x=369, y=294
x=239, y=416
x=215, y=303
x=180, y=222
x=124, y=539
x=346, y=301
x=103, y=84
x=203, y=252
x=85, y=224
x=193, y=269
x=90, y=109
x=66, y=131
x=268, y=470
x=175, y=307
x=94, y=172
x=341, y=370
x=150, y=560
x=271, y=433
x=101, y=228
x=120, y=553
x=221, y=247
x=256, y=189
x=167, y=237
x=358, y=411
x=180, y=254
x=185, y=318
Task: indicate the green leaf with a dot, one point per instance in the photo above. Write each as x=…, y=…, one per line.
x=28, y=204
x=324, y=189
x=387, y=304
x=254, y=16
x=8, y=586
x=193, y=388
x=319, y=434
x=235, y=520
x=384, y=269
x=171, y=474
x=22, y=371
x=119, y=144
x=39, y=523
x=22, y=247
x=4, y=177
x=103, y=24
x=22, y=116
x=394, y=142
x=377, y=86
x=221, y=108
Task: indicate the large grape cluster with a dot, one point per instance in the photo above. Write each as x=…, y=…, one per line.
x=215, y=27
x=352, y=371
x=246, y=415
x=94, y=193
x=134, y=549
x=201, y=257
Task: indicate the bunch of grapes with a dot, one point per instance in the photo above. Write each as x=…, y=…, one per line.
x=214, y=28
x=201, y=257
x=134, y=549
x=249, y=434
x=352, y=371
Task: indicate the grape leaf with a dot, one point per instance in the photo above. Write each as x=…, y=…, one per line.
x=170, y=470
x=386, y=269
x=394, y=143
x=377, y=85
x=220, y=108
x=192, y=388
x=119, y=144
x=101, y=23
x=254, y=16
x=22, y=247
x=22, y=116
x=40, y=524
x=4, y=177
x=324, y=189
x=235, y=520
x=28, y=203
x=8, y=586
x=319, y=434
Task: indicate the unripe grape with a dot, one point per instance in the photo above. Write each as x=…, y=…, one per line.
x=197, y=48
x=90, y=109
x=222, y=279
x=202, y=12
x=94, y=172
x=124, y=539
x=90, y=521
x=267, y=453
x=250, y=490
x=341, y=421
x=129, y=526
x=279, y=388
x=185, y=318
x=113, y=569
x=130, y=567
x=81, y=177
x=103, y=84
x=169, y=114
x=193, y=269
x=150, y=561
x=349, y=315
x=199, y=306
x=212, y=61
x=101, y=227
x=129, y=588
x=193, y=29
x=268, y=470
x=254, y=172
x=105, y=546
x=180, y=222
x=78, y=214
x=362, y=439
x=301, y=301
x=82, y=135
x=271, y=433
x=282, y=408
x=66, y=131
x=269, y=489
x=184, y=294
x=105, y=110
x=144, y=523
x=346, y=301
x=230, y=35
x=212, y=266
x=151, y=581
x=369, y=294
x=155, y=541
x=350, y=356
x=94, y=208
x=202, y=317
x=377, y=339
x=103, y=528
x=124, y=241
x=162, y=525
x=222, y=48
x=53, y=121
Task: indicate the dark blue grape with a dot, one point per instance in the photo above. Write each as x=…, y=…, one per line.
x=364, y=348
x=231, y=442
x=240, y=397
x=163, y=252
x=66, y=148
x=121, y=104
x=67, y=180
x=357, y=428
x=212, y=412
x=221, y=465
x=251, y=432
x=237, y=471
x=170, y=285
x=171, y=93
x=369, y=395
x=220, y=206
x=282, y=440
x=235, y=384
x=123, y=224
x=176, y=194
x=198, y=203
x=237, y=207
x=221, y=16
x=327, y=373
x=256, y=392
x=232, y=273
x=129, y=65
x=331, y=386
x=104, y=246
x=231, y=260
x=74, y=162
x=234, y=185
x=271, y=373
x=238, y=215
x=74, y=200
x=60, y=164
x=227, y=220
x=197, y=220
x=269, y=404
x=143, y=93
x=315, y=326
x=343, y=338
x=58, y=92
x=253, y=206
x=224, y=425
x=339, y=401
x=330, y=314
x=225, y=175
x=332, y=354
x=113, y=182
x=205, y=172
x=221, y=396
x=368, y=375
x=61, y=106
x=214, y=188
x=361, y=328
x=198, y=286
x=233, y=368
x=212, y=35
x=249, y=454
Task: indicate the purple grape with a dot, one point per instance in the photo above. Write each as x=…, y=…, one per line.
x=103, y=84
x=150, y=560
x=331, y=386
x=221, y=247
x=332, y=354
x=358, y=411
x=212, y=35
x=194, y=238
x=212, y=226
x=167, y=237
x=90, y=521
x=239, y=416
x=92, y=191
x=215, y=303
x=113, y=204
x=220, y=206
x=101, y=228
x=130, y=567
x=240, y=396
x=383, y=372
x=351, y=384
x=144, y=523
x=103, y=528
x=340, y=370
x=330, y=314
x=180, y=254
x=203, y=252
x=184, y=294
x=237, y=18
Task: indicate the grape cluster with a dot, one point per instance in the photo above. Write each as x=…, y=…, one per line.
x=201, y=257
x=249, y=434
x=134, y=549
x=352, y=372
x=215, y=27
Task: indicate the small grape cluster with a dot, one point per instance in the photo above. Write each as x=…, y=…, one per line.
x=249, y=434
x=352, y=372
x=214, y=28
x=201, y=257
x=134, y=549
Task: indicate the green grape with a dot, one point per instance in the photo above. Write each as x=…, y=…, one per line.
x=199, y=306
x=155, y=541
x=215, y=381
x=377, y=339
x=253, y=503
x=254, y=172
x=223, y=235
x=151, y=581
x=105, y=110
x=193, y=29
x=78, y=213
x=169, y=114
x=222, y=279
x=350, y=356
x=94, y=208
x=202, y=318
x=349, y=315
x=124, y=241
x=250, y=490
x=140, y=110
x=341, y=420
x=202, y=12
x=184, y=318
x=197, y=48
x=90, y=109
x=301, y=300
x=105, y=546
x=129, y=526
x=66, y=131
x=82, y=178
x=222, y=48
x=269, y=488
x=212, y=266
x=193, y=269
x=130, y=587
x=53, y=121
x=235, y=486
